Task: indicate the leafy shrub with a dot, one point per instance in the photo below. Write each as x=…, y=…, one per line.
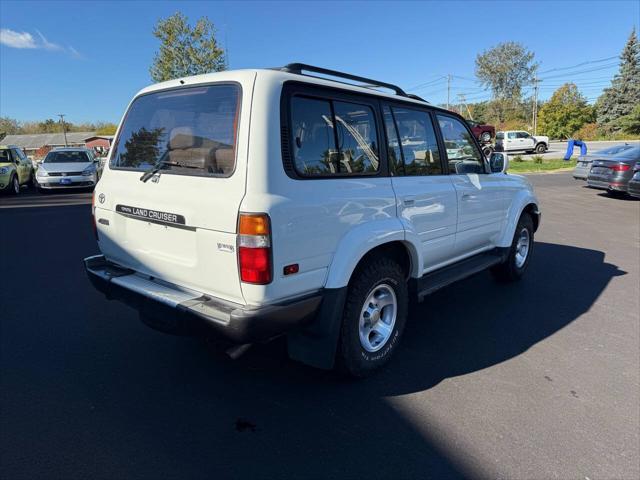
x=518, y=158
x=537, y=159
x=589, y=131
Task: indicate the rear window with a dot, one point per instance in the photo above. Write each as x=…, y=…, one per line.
x=66, y=157
x=333, y=138
x=190, y=131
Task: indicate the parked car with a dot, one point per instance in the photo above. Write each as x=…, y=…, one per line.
x=67, y=168
x=614, y=172
x=16, y=169
x=256, y=203
x=520, y=141
x=634, y=183
x=583, y=165
x=484, y=133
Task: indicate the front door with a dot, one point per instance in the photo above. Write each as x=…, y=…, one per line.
x=425, y=195
x=480, y=195
x=525, y=141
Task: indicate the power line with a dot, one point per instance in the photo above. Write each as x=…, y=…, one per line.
x=564, y=75
x=588, y=62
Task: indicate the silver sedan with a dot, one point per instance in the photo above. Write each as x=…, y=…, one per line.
x=64, y=168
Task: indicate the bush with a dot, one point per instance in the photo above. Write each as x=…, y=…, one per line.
x=589, y=131
x=518, y=158
x=537, y=159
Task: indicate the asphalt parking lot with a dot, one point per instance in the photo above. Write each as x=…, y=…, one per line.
x=533, y=380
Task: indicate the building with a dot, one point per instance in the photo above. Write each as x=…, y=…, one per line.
x=99, y=143
x=37, y=145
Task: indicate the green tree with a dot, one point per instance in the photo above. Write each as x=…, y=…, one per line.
x=631, y=123
x=105, y=128
x=9, y=126
x=623, y=95
x=185, y=50
x=506, y=68
x=52, y=126
x=565, y=113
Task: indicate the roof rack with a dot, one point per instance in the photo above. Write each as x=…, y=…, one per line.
x=298, y=68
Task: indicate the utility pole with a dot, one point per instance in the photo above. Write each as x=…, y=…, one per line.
x=448, y=90
x=535, y=105
x=64, y=128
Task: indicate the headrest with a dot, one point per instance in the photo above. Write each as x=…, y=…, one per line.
x=182, y=137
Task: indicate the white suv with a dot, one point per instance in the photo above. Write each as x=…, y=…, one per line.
x=257, y=203
x=519, y=141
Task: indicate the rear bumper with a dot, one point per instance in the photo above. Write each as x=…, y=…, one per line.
x=607, y=185
x=169, y=309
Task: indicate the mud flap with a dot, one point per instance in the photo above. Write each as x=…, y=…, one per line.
x=316, y=344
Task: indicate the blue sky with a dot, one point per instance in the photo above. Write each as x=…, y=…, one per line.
x=87, y=59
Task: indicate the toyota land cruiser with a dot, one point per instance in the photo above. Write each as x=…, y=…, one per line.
x=257, y=203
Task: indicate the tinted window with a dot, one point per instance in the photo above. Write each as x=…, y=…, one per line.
x=418, y=142
x=393, y=146
x=462, y=154
x=357, y=138
x=500, y=136
x=333, y=138
x=67, y=157
x=523, y=135
x=314, y=141
x=511, y=135
x=5, y=155
x=188, y=130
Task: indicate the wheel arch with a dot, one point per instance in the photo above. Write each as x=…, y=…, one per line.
x=359, y=245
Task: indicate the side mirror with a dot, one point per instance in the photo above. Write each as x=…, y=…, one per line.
x=498, y=162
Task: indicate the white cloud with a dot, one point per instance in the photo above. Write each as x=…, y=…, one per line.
x=13, y=39
x=17, y=39
x=46, y=44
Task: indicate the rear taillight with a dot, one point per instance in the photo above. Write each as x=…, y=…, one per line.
x=254, y=248
x=620, y=168
x=93, y=216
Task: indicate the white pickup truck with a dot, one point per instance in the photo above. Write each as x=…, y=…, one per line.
x=518, y=140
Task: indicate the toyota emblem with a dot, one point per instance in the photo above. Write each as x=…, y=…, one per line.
x=101, y=198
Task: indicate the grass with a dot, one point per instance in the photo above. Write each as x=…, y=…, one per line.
x=529, y=166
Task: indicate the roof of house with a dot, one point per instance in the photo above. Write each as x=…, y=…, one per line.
x=106, y=137
x=38, y=140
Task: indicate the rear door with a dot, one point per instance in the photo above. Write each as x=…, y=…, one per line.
x=179, y=225
x=426, y=198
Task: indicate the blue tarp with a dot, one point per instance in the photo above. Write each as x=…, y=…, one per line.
x=575, y=143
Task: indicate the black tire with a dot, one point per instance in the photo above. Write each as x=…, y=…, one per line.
x=485, y=137
x=379, y=273
x=511, y=269
x=541, y=148
x=14, y=185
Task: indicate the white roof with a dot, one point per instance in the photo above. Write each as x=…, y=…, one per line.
x=269, y=75
x=38, y=140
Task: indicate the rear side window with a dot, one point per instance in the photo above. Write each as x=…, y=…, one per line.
x=333, y=138
x=190, y=131
x=418, y=144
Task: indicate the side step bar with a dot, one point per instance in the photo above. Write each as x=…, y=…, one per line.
x=438, y=279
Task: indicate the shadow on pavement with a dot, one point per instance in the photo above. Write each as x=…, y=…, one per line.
x=88, y=391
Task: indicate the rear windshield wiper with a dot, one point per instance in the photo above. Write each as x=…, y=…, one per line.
x=159, y=166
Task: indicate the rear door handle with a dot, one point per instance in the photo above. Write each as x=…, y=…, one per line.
x=409, y=201
x=467, y=196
